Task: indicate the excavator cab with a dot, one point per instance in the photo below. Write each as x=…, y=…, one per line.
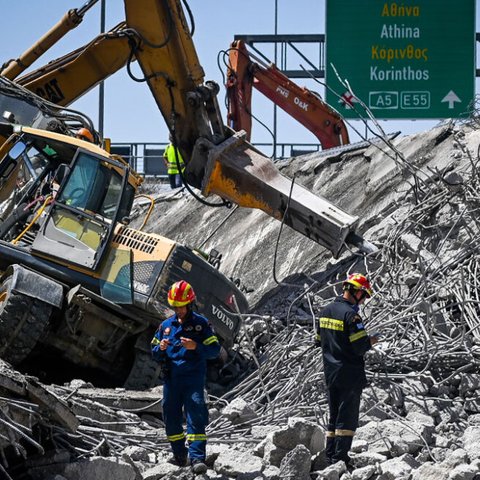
x=63, y=202
x=65, y=241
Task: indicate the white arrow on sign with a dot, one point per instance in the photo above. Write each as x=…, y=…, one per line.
x=451, y=98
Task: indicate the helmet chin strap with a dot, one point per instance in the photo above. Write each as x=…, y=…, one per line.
x=358, y=300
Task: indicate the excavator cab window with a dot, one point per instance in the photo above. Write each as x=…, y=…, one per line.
x=17, y=150
x=83, y=216
x=93, y=189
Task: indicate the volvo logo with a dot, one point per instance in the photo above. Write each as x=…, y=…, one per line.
x=222, y=317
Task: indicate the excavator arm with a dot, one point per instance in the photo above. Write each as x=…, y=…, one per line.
x=64, y=80
x=218, y=160
x=171, y=68
x=302, y=104
x=69, y=21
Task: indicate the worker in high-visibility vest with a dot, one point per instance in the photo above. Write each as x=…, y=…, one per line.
x=170, y=159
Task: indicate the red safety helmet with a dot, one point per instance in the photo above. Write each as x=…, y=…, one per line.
x=359, y=282
x=180, y=294
x=85, y=134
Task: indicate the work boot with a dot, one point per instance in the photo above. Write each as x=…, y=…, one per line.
x=180, y=460
x=342, y=447
x=198, y=467
x=330, y=449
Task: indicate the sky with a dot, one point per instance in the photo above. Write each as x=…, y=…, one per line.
x=131, y=114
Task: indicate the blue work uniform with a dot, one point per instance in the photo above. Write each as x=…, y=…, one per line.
x=344, y=342
x=184, y=382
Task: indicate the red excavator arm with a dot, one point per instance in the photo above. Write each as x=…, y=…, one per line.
x=302, y=104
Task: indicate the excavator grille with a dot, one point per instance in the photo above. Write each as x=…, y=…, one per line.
x=136, y=240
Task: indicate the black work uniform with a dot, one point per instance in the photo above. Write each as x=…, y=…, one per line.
x=344, y=342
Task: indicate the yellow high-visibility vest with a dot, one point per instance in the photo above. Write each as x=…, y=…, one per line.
x=169, y=154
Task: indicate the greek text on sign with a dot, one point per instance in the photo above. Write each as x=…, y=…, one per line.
x=401, y=60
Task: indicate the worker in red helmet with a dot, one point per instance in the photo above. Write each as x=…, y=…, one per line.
x=184, y=342
x=85, y=134
x=344, y=341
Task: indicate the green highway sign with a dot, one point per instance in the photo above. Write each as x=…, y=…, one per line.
x=406, y=59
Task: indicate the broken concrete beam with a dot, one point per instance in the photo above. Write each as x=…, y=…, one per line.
x=148, y=401
x=52, y=405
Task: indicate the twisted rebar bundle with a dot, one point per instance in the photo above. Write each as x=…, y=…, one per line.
x=426, y=305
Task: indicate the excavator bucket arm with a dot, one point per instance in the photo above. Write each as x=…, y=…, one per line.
x=239, y=86
x=170, y=66
x=218, y=160
x=69, y=21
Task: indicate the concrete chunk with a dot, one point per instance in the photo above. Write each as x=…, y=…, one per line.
x=398, y=467
x=238, y=464
x=296, y=464
x=402, y=436
x=239, y=411
x=109, y=468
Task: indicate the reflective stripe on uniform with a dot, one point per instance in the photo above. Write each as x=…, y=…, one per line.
x=357, y=336
x=318, y=337
x=175, y=438
x=330, y=434
x=332, y=324
x=192, y=437
x=155, y=341
x=210, y=340
x=345, y=433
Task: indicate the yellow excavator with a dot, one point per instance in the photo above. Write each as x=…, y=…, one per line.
x=87, y=285
x=156, y=34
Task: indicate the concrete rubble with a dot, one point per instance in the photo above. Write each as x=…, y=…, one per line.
x=417, y=199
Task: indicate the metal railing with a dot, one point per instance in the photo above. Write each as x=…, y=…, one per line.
x=293, y=45
x=146, y=157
